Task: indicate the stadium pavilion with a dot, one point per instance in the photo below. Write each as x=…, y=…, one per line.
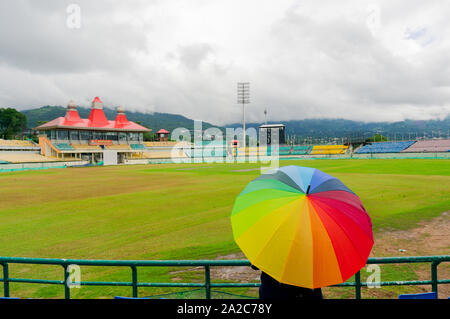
x=94, y=139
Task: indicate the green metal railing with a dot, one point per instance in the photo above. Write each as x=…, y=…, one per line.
x=206, y=264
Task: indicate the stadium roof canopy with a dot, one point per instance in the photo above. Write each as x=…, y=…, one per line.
x=96, y=121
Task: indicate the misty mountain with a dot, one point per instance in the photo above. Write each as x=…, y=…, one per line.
x=301, y=130
x=340, y=128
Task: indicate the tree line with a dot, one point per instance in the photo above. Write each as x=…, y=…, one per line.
x=12, y=123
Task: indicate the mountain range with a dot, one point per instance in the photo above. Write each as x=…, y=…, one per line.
x=299, y=129
x=316, y=129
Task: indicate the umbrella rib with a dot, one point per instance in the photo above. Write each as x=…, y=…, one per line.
x=337, y=187
x=320, y=194
x=300, y=178
x=282, y=177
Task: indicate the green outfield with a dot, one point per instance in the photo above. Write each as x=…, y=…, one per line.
x=176, y=211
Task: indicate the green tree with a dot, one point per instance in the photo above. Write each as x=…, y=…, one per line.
x=377, y=138
x=149, y=137
x=12, y=122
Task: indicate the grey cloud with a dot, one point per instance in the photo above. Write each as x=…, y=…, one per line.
x=192, y=55
x=341, y=64
x=303, y=61
x=39, y=40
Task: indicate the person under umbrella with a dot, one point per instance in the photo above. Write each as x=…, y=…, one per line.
x=302, y=228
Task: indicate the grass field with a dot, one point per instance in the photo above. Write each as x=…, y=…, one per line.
x=176, y=211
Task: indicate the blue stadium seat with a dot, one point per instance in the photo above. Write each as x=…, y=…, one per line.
x=290, y=150
x=284, y=150
x=384, y=147
x=137, y=146
x=426, y=295
x=119, y=297
x=64, y=146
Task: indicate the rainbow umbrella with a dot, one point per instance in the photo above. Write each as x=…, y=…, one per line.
x=302, y=227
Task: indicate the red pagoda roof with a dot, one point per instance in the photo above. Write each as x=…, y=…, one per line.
x=96, y=120
x=72, y=116
x=162, y=131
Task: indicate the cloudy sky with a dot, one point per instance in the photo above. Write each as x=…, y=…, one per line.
x=361, y=60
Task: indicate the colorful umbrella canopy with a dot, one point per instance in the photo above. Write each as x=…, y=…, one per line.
x=302, y=227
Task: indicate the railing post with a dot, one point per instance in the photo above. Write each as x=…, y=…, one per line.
x=434, y=277
x=134, y=280
x=5, y=280
x=358, y=285
x=66, y=282
x=208, y=282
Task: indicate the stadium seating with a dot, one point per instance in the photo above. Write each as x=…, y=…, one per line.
x=290, y=150
x=16, y=143
x=429, y=146
x=384, y=147
x=137, y=146
x=301, y=150
x=86, y=147
x=25, y=157
x=284, y=150
x=205, y=152
x=118, y=147
x=158, y=144
x=178, y=153
x=328, y=149
x=64, y=147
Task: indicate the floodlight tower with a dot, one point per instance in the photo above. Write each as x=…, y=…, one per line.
x=243, y=97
